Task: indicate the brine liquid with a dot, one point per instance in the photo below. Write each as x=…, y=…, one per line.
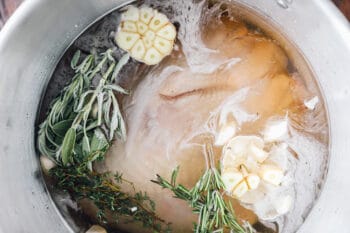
x=221, y=65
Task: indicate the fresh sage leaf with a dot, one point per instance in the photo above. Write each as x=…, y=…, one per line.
x=61, y=128
x=86, y=146
x=118, y=89
x=99, y=141
x=75, y=60
x=68, y=146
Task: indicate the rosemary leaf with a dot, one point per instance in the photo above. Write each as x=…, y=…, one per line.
x=206, y=200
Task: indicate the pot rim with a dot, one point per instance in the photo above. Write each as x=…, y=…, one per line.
x=30, y=61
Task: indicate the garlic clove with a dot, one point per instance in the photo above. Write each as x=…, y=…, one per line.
x=162, y=45
x=131, y=13
x=253, y=181
x=231, y=180
x=276, y=130
x=96, y=229
x=312, y=103
x=147, y=42
x=146, y=14
x=259, y=154
x=167, y=32
x=126, y=40
x=283, y=204
x=241, y=189
x=240, y=144
x=272, y=174
x=225, y=134
x=153, y=57
x=142, y=28
x=139, y=50
x=158, y=21
x=46, y=164
x=129, y=26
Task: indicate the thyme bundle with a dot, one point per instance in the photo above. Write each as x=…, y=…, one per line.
x=79, y=129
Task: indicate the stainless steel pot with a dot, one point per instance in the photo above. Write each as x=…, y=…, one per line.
x=35, y=38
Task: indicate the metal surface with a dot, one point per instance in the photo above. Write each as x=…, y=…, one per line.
x=35, y=38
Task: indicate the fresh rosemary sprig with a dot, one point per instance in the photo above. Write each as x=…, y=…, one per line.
x=206, y=200
x=79, y=129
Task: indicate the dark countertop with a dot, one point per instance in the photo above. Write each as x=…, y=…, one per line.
x=7, y=7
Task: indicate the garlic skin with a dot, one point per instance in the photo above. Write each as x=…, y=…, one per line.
x=147, y=35
x=256, y=176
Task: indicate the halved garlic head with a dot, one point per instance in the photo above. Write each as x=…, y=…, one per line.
x=147, y=35
x=245, y=164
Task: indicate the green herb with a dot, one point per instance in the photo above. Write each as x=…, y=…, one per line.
x=104, y=192
x=206, y=200
x=82, y=108
x=79, y=129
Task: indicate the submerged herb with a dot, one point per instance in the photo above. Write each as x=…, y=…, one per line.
x=83, y=110
x=79, y=129
x=103, y=190
x=206, y=200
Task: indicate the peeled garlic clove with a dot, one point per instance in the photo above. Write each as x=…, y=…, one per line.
x=312, y=103
x=153, y=57
x=131, y=13
x=126, y=40
x=158, y=21
x=96, y=229
x=231, y=180
x=283, y=204
x=259, y=154
x=240, y=144
x=146, y=14
x=225, y=134
x=46, y=164
x=241, y=189
x=167, y=32
x=276, y=130
x=147, y=35
x=253, y=181
x=271, y=174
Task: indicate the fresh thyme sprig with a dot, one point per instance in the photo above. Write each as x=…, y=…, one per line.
x=206, y=200
x=79, y=129
x=106, y=194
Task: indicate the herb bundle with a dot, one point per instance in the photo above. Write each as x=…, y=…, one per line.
x=206, y=200
x=79, y=129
